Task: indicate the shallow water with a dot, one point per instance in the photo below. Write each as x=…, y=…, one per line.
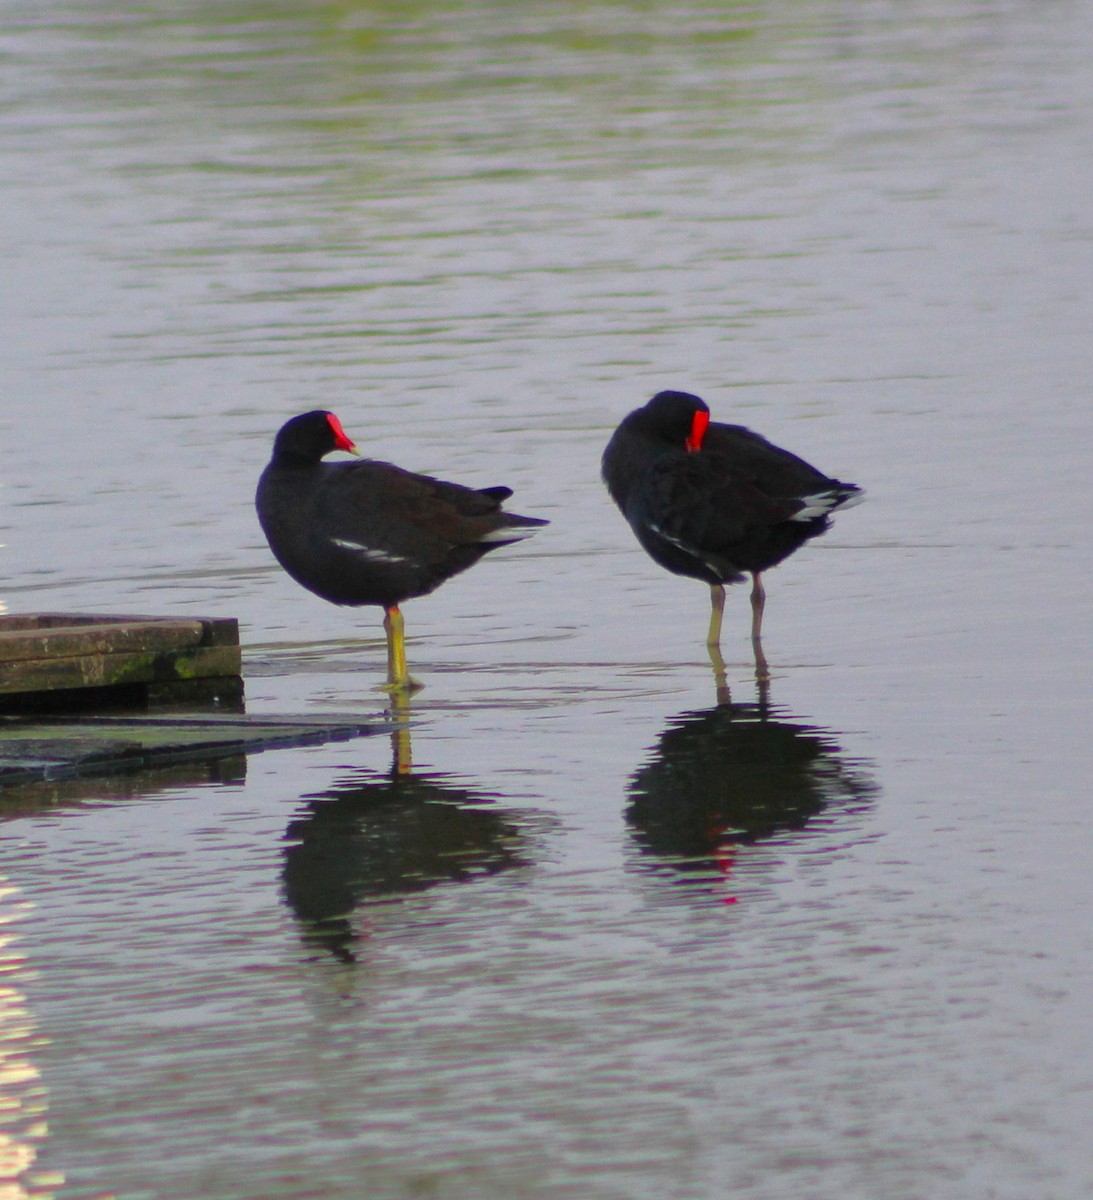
x=613, y=938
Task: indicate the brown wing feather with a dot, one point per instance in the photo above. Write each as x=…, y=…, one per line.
x=385, y=507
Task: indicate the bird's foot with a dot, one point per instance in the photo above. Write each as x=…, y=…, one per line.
x=405, y=686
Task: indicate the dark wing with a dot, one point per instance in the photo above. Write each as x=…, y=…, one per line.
x=754, y=462
x=706, y=505
x=739, y=504
x=383, y=508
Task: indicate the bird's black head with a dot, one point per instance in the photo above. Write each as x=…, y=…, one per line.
x=677, y=417
x=306, y=438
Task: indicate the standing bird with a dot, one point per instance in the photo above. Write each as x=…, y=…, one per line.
x=715, y=501
x=369, y=532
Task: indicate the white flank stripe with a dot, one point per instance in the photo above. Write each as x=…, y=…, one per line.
x=369, y=552
x=668, y=538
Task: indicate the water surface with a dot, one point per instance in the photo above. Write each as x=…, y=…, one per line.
x=617, y=935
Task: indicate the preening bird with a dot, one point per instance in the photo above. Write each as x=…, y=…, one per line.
x=715, y=502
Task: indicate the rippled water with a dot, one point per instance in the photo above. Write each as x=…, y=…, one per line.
x=615, y=936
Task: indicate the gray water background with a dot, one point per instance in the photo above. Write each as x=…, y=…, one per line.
x=482, y=233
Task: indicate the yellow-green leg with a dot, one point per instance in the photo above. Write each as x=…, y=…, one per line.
x=758, y=600
x=717, y=604
x=398, y=677
x=713, y=641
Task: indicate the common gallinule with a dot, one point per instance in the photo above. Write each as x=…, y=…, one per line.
x=369, y=532
x=715, y=501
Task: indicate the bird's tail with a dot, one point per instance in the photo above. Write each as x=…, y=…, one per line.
x=515, y=529
x=823, y=504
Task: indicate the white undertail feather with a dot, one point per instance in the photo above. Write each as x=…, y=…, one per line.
x=822, y=503
x=508, y=533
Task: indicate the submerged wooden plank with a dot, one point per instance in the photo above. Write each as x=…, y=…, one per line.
x=34, y=748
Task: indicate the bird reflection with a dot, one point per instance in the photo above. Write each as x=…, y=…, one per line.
x=376, y=837
x=762, y=673
x=732, y=775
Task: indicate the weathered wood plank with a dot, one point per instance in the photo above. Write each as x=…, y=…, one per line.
x=113, y=670
x=45, y=652
x=69, y=641
x=43, y=635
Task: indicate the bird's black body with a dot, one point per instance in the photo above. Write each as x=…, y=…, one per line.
x=735, y=503
x=716, y=502
x=369, y=532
